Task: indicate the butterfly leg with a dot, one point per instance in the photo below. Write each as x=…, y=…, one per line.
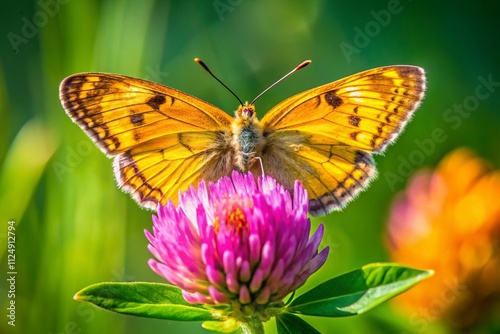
x=261, y=165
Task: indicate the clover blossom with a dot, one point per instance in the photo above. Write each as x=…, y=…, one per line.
x=239, y=243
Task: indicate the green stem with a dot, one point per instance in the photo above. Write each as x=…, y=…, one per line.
x=252, y=326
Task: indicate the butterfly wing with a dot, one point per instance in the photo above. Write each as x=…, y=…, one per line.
x=324, y=137
x=162, y=140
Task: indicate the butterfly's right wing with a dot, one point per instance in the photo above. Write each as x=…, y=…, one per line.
x=162, y=140
x=324, y=137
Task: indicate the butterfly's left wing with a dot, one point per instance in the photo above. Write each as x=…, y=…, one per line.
x=162, y=140
x=324, y=137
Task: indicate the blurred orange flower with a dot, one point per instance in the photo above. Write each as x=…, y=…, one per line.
x=449, y=220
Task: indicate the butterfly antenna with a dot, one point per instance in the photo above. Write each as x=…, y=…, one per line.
x=298, y=67
x=198, y=60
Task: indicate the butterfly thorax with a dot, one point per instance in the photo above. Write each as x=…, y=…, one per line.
x=247, y=136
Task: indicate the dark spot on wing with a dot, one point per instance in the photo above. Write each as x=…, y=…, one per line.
x=137, y=119
x=354, y=120
x=380, y=128
x=373, y=141
x=156, y=101
x=332, y=99
x=137, y=136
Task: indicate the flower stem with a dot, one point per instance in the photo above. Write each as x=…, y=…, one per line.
x=252, y=326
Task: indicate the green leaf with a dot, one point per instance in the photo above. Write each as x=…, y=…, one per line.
x=358, y=291
x=152, y=300
x=287, y=323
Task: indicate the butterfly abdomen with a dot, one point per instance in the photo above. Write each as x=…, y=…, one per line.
x=248, y=139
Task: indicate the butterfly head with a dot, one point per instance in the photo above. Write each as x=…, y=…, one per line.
x=246, y=114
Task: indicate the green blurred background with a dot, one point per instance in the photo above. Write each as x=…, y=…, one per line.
x=75, y=228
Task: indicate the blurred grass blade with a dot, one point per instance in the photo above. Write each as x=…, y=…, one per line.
x=151, y=300
x=358, y=291
x=24, y=163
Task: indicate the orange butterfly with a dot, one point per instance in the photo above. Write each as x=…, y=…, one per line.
x=163, y=140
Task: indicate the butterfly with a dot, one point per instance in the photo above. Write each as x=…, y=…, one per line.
x=163, y=140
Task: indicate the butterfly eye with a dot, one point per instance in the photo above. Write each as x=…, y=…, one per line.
x=248, y=112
